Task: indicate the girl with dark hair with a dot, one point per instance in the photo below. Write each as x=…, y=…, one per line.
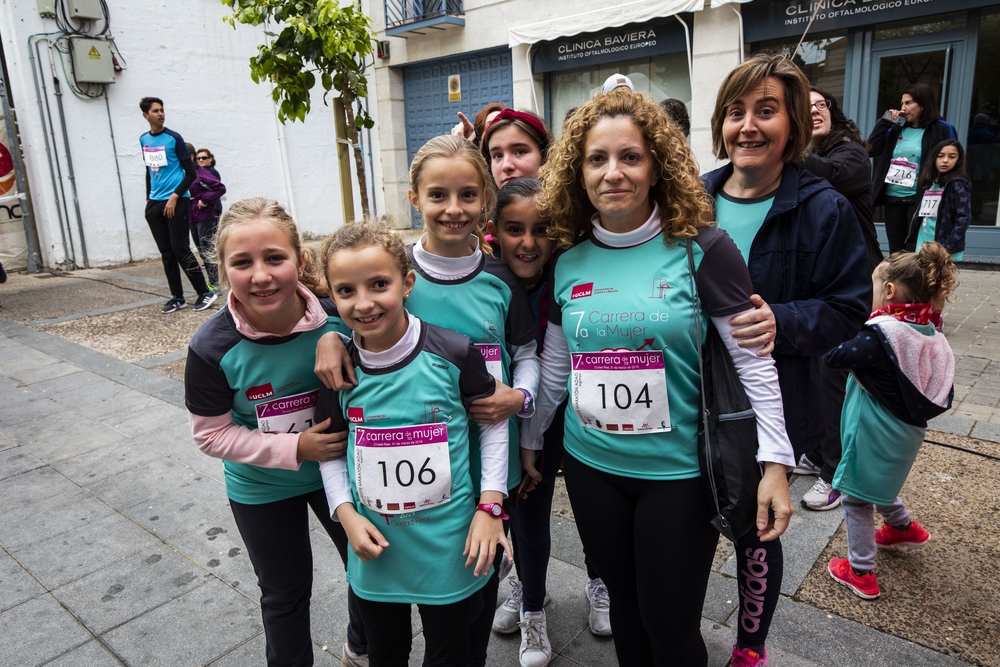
x=515, y=144
x=902, y=140
x=946, y=207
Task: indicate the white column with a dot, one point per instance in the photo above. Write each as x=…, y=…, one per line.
x=715, y=52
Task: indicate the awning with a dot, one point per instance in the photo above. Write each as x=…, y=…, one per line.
x=599, y=19
x=719, y=3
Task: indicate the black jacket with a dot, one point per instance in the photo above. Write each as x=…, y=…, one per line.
x=809, y=263
x=882, y=141
x=847, y=167
x=953, y=218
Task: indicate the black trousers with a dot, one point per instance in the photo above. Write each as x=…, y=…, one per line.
x=171, y=236
x=447, y=637
x=759, y=569
x=898, y=214
x=277, y=539
x=652, y=543
x=203, y=233
x=828, y=454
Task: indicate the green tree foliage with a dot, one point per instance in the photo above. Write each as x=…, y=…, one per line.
x=318, y=38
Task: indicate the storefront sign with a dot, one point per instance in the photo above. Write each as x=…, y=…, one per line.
x=786, y=18
x=636, y=40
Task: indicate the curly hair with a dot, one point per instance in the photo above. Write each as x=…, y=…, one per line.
x=841, y=127
x=926, y=276
x=684, y=204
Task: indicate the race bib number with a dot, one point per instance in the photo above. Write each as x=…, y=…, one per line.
x=291, y=414
x=901, y=172
x=403, y=468
x=154, y=156
x=624, y=393
x=494, y=362
x=929, y=204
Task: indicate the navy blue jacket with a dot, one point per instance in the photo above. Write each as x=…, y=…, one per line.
x=882, y=141
x=953, y=218
x=810, y=264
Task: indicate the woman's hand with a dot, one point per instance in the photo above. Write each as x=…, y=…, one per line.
x=464, y=128
x=503, y=404
x=759, y=327
x=485, y=533
x=366, y=542
x=772, y=493
x=333, y=364
x=315, y=445
x=532, y=477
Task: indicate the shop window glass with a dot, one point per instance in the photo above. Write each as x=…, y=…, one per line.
x=662, y=77
x=823, y=58
x=982, y=157
x=920, y=26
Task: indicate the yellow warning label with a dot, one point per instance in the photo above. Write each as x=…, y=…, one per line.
x=94, y=53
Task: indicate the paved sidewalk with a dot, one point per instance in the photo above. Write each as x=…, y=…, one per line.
x=117, y=546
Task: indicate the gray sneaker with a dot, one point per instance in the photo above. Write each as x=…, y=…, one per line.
x=806, y=467
x=600, y=608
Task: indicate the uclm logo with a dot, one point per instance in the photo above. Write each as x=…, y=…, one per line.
x=259, y=392
x=356, y=415
x=582, y=290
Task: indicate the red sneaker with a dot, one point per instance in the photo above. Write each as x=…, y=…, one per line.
x=864, y=586
x=914, y=536
x=748, y=657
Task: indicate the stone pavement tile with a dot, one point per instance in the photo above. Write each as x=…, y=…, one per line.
x=830, y=640
x=158, y=477
x=220, y=548
x=94, y=395
x=47, y=518
x=328, y=616
x=76, y=553
x=155, y=416
x=328, y=569
x=586, y=650
x=22, y=404
x=194, y=629
x=30, y=376
x=199, y=501
x=96, y=465
x=14, y=461
x=25, y=359
x=721, y=598
x=566, y=545
x=17, y=584
x=130, y=587
x=33, y=487
x=981, y=396
x=91, y=654
x=973, y=411
x=986, y=431
x=250, y=652
x=952, y=424
x=62, y=434
x=176, y=442
x=38, y=630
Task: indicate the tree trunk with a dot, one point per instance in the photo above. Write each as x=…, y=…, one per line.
x=359, y=162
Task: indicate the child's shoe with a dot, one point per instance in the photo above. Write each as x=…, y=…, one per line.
x=748, y=657
x=864, y=586
x=536, y=650
x=914, y=536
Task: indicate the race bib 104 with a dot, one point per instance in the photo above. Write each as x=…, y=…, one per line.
x=929, y=204
x=289, y=414
x=493, y=359
x=624, y=393
x=901, y=172
x=403, y=468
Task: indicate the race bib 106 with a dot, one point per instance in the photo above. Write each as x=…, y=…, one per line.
x=901, y=172
x=289, y=414
x=493, y=359
x=403, y=468
x=624, y=393
x=929, y=204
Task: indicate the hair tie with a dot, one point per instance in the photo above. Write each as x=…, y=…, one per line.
x=511, y=114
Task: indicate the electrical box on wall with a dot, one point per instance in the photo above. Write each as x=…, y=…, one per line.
x=92, y=60
x=47, y=9
x=84, y=9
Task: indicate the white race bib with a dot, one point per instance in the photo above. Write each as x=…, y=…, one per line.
x=493, y=359
x=901, y=172
x=929, y=204
x=624, y=393
x=154, y=156
x=402, y=469
x=290, y=414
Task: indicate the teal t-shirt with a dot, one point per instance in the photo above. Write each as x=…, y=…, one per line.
x=908, y=147
x=628, y=318
x=432, y=386
x=928, y=227
x=491, y=307
x=742, y=218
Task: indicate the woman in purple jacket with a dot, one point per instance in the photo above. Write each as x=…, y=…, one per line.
x=206, y=191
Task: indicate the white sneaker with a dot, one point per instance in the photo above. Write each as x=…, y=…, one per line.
x=508, y=614
x=351, y=659
x=821, y=497
x=600, y=608
x=536, y=651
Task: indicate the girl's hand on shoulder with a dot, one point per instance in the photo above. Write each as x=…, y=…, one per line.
x=502, y=405
x=756, y=328
x=366, y=542
x=485, y=533
x=315, y=445
x=772, y=494
x=333, y=364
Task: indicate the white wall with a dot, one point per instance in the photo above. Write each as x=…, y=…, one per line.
x=182, y=52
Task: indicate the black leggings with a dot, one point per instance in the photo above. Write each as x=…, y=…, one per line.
x=898, y=214
x=277, y=539
x=446, y=629
x=171, y=236
x=653, y=545
x=202, y=233
x=759, y=568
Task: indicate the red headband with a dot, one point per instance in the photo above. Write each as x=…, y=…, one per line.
x=510, y=114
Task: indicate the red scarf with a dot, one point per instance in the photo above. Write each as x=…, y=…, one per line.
x=914, y=313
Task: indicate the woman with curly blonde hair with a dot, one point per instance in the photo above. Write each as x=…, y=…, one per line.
x=623, y=196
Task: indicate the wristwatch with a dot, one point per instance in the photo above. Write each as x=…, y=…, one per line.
x=528, y=401
x=493, y=509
